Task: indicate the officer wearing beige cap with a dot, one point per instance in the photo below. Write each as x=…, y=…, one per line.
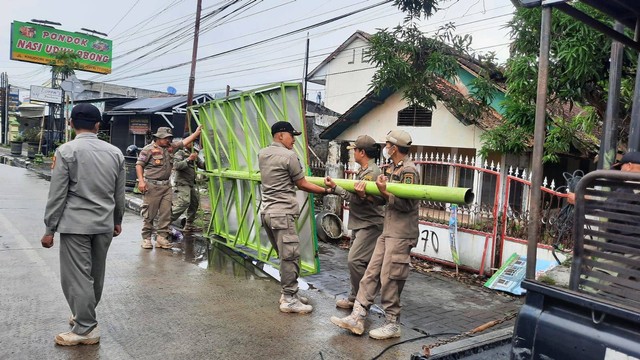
x=365, y=215
x=153, y=169
x=280, y=174
x=389, y=266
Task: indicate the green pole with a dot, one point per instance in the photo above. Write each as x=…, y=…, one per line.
x=447, y=194
x=454, y=195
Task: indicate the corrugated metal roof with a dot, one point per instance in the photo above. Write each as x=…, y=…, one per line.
x=150, y=105
x=355, y=113
x=625, y=11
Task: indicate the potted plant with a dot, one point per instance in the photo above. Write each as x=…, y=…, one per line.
x=16, y=145
x=32, y=137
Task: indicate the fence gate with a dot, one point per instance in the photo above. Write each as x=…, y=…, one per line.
x=234, y=130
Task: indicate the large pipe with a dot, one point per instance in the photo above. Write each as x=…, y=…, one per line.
x=454, y=195
x=446, y=194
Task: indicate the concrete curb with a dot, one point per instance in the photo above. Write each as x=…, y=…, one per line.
x=472, y=345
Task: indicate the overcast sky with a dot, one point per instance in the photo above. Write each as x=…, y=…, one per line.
x=138, y=27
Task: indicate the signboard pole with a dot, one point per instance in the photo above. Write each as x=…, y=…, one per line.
x=66, y=122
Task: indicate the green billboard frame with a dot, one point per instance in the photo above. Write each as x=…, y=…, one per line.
x=39, y=44
x=234, y=130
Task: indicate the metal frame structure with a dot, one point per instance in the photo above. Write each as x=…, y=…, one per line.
x=624, y=12
x=234, y=130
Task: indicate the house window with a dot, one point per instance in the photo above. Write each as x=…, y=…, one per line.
x=365, y=56
x=414, y=116
x=353, y=57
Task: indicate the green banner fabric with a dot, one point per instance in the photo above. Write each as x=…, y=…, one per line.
x=39, y=44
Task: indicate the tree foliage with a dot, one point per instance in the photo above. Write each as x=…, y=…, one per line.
x=409, y=61
x=577, y=89
x=64, y=64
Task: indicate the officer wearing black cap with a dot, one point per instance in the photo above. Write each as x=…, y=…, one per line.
x=153, y=169
x=85, y=205
x=280, y=173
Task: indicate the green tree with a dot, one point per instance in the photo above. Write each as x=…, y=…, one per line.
x=64, y=64
x=410, y=62
x=419, y=65
x=577, y=90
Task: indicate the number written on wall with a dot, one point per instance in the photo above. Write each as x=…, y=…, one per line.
x=430, y=236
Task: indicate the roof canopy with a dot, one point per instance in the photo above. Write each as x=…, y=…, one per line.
x=627, y=12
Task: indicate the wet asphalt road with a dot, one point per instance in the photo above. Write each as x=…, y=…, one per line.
x=158, y=304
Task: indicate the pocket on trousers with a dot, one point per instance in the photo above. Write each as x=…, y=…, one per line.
x=279, y=222
x=290, y=247
x=144, y=211
x=399, y=266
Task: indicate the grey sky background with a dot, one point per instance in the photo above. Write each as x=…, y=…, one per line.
x=144, y=29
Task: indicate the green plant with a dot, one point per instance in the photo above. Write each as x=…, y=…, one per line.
x=546, y=279
x=32, y=134
x=18, y=138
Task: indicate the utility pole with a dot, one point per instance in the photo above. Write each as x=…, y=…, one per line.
x=194, y=58
x=4, y=93
x=304, y=78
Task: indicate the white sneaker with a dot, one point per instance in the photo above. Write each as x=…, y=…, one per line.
x=387, y=331
x=293, y=305
x=70, y=338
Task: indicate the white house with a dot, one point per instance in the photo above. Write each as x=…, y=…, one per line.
x=446, y=146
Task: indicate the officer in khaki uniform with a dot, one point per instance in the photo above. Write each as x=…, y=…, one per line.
x=86, y=206
x=153, y=169
x=390, y=263
x=365, y=215
x=185, y=195
x=280, y=174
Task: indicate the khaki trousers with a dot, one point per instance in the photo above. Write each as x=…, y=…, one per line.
x=387, y=272
x=82, y=266
x=281, y=230
x=362, y=246
x=185, y=197
x=156, y=202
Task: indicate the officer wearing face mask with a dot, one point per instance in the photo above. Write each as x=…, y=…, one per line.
x=390, y=264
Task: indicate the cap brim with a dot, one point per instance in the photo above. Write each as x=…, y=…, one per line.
x=351, y=146
x=617, y=166
x=296, y=133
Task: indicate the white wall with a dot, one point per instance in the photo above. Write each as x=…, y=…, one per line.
x=445, y=129
x=347, y=77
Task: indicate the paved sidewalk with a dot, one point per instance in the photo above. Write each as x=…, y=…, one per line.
x=432, y=303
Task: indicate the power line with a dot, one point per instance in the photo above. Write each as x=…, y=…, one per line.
x=258, y=42
x=124, y=16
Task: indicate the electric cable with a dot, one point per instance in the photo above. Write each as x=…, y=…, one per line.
x=412, y=340
x=321, y=23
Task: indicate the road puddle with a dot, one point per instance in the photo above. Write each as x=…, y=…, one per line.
x=222, y=259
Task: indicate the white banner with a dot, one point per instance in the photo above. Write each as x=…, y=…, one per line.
x=44, y=94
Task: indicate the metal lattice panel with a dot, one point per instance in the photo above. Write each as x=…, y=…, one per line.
x=607, y=245
x=234, y=130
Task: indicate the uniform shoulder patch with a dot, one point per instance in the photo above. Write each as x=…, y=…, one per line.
x=408, y=178
x=53, y=162
x=368, y=177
